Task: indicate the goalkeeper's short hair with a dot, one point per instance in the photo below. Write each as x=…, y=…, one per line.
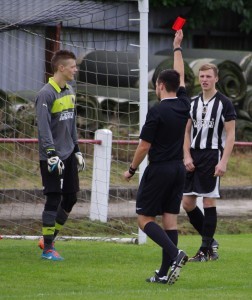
x=60, y=57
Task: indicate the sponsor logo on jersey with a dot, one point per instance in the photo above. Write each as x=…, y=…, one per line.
x=65, y=115
x=203, y=123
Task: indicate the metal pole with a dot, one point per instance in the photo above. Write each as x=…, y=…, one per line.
x=143, y=7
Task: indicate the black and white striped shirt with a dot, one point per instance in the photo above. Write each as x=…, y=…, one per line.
x=208, y=121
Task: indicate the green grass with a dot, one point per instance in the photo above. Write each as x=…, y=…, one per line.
x=99, y=270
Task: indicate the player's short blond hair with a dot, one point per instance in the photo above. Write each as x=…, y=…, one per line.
x=210, y=66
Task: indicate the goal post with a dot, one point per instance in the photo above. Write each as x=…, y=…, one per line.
x=143, y=79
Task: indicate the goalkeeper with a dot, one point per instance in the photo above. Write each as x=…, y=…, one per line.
x=59, y=154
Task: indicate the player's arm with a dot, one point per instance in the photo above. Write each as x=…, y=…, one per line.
x=221, y=167
x=81, y=164
x=188, y=161
x=141, y=151
x=178, y=58
x=43, y=121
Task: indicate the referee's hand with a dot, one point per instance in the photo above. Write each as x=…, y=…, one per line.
x=130, y=173
x=127, y=175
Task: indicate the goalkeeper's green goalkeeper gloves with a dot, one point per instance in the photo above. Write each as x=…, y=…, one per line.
x=55, y=164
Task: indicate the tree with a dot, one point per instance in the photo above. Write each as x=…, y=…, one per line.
x=211, y=11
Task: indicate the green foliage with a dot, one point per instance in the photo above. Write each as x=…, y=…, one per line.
x=169, y=3
x=211, y=11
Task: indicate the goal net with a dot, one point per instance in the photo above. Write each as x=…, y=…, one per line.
x=104, y=36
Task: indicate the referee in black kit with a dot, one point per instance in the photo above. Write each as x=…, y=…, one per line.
x=161, y=187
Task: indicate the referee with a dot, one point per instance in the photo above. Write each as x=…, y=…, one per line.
x=161, y=186
x=209, y=140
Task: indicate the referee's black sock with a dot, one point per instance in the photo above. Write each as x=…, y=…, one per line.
x=196, y=218
x=166, y=261
x=159, y=236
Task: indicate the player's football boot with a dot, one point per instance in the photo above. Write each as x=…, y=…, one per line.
x=51, y=255
x=213, y=252
x=157, y=279
x=198, y=257
x=176, y=266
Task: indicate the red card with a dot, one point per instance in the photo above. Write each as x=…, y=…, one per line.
x=179, y=23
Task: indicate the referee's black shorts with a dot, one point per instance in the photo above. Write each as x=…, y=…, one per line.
x=67, y=183
x=161, y=189
x=201, y=182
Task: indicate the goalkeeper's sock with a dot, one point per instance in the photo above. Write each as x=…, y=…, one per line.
x=60, y=220
x=57, y=230
x=48, y=219
x=166, y=261
x=48, y=242
x=159, y=236
x=48, y=235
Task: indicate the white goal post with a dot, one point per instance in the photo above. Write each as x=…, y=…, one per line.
x=143, y=87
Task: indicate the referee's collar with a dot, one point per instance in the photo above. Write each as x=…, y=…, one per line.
x=170, y=98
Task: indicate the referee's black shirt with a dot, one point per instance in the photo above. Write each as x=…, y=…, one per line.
x=165, y=126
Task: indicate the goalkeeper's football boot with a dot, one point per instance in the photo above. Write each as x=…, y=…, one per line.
x=157, y=279
x=199, y=257
x=176, y=266
x=42, y=246
x=213, y=251
x=51, y=255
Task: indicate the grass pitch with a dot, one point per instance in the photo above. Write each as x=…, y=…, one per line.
x=100, y=270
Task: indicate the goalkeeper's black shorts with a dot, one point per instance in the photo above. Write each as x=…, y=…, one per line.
x=67, y=183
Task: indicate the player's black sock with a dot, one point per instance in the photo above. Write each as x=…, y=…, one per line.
x=210, y=222
x=209, y=227
x=166, y=261
x=159, y=236
x=206, y=244
x=196, y=218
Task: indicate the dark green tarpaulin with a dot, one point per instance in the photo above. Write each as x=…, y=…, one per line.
x=3, y=99
x=121, y=69
x=247, y=104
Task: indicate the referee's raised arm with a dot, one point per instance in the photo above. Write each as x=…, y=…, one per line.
x=178, y=58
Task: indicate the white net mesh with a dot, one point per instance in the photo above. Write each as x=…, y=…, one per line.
x=101, y=34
